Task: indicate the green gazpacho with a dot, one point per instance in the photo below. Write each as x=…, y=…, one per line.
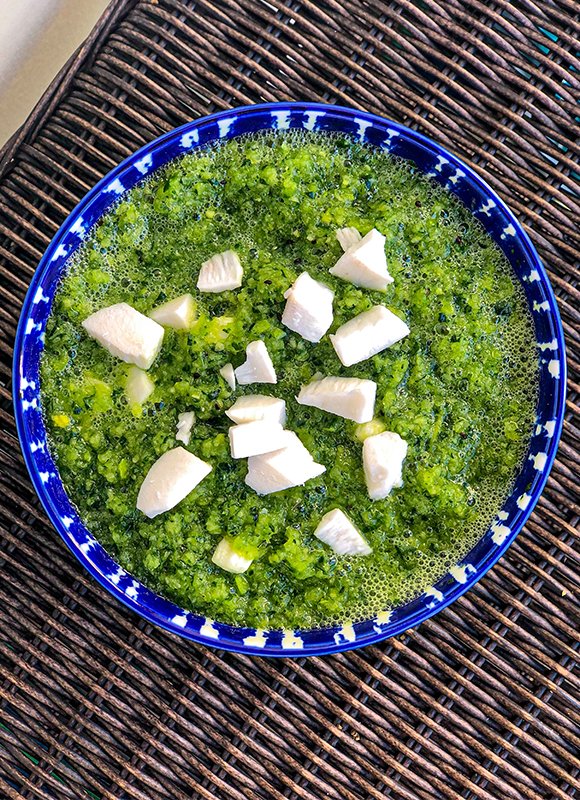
x=459, y=390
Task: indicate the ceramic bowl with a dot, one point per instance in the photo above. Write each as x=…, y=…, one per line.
x=438, y=164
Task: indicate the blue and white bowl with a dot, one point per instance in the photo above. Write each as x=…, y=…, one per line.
x=436, y=162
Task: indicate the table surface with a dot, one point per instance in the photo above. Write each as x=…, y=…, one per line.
x=482, y=701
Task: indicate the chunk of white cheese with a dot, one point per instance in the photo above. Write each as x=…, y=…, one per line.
x=308, y=308
x=367, y=334
x=383, y=457
x=226, y=557
x=336, y=530
x=258, y=367
x=291, y=466
x=351, y=398
x=293, y=442
x=365, y=263
x=255, y=438
x=126, y=333
x=171, y=478
x=178, y=313
x=229, y=376
x=257, y=406
x=347, y=237
x=138, y=386
x=185, y=422
x=220, y=273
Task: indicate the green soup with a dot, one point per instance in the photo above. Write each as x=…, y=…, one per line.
x=461, y=389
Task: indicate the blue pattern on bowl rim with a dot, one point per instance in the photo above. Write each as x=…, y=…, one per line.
x=438, y=164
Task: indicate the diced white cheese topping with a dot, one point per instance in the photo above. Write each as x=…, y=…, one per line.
x=293, y=442
x=178, y=313
x=258, y=406
x=171, y=478
x=126, y=333
x=138, y=386
x=383, y=457
x=185, y=422
x=291, y=466
x=336, y=530
x=226, y=557
x=229, y=376
x=351, y=398
x=347, y=237
x=368, y=334
x=255, y=438
x=365, y=263
x=220, y=273
x=258, y=367
x=308, y=308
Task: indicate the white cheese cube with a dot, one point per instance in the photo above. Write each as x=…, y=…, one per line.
x=383, y=457
x=308, y=308
x=138, y=386
x=291, y=466
x=255, y=438
x=226, y=557
x=220, y=273
x=126, y=333
x=365, y=263
x=293, y=442
x=336, y=530
x=185, y=422
x=367, y=334
x=171, y=478
x=229, y=376
x=257, y=406
x=347, y=237
x=258, y=367
x=178, y=313
x=351, y=398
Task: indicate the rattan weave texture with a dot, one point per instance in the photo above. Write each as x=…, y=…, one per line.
x=481, y=701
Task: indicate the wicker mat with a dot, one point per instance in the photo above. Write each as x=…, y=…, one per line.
x=481, y=701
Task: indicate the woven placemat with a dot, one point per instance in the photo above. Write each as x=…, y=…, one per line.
x=481, y=701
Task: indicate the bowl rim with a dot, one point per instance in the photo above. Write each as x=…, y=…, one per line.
x=206, y=632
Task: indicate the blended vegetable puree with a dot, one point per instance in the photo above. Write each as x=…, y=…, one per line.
x=460, y=389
